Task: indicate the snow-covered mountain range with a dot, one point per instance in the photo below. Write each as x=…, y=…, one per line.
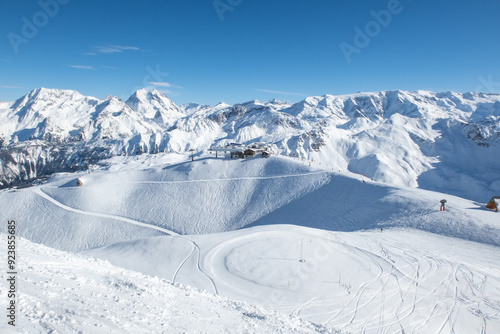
x=449, y=142
x=313, y=246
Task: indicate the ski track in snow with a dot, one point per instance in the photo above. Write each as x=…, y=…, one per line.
x=40, y=192
x=183, y=262
x=62, y=292
x=231, y=179
x=209, y=180
x=387, y=283
x=406, y=293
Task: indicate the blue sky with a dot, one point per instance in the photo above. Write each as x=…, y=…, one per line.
x=238, y=50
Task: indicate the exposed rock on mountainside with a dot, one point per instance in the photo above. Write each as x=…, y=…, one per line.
x=439, y=141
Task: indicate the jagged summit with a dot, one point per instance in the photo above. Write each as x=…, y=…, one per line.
x=153, y=104
x=43, y=93
x=221, y=104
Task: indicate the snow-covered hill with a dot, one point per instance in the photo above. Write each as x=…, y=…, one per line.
x=66, y=293
x=447, y=142
x=398, y=280
x=319, y=245
x=215, y=195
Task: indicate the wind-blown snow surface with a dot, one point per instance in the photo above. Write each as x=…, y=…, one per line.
x=65, y=293
x=426, y=271
x=448, y=142
x=216, y=195
x=362, y=282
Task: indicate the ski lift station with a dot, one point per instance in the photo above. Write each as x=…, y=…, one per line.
x=240, y=151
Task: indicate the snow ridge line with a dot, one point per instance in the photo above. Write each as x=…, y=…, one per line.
x=237, y=178
x=210, y=180
x=39, y=192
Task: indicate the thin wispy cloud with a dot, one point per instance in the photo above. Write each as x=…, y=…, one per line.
x=14, y=87
x=83, y=67
x=111, y=49
x=278, y=92
x=164, y=84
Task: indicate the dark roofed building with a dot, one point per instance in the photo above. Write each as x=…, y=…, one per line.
x=249, y=153
x=493, y=203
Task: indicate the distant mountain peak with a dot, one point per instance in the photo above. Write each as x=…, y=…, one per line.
x=155, y=105
x=275, y=101
x=222, y=104
x=145, y=94
x=42, y=91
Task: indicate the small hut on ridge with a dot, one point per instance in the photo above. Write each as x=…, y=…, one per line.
x=494, y=203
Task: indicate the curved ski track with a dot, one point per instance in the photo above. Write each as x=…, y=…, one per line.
x=39, y=192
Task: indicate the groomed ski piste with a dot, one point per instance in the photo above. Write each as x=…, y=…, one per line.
x=164, y=244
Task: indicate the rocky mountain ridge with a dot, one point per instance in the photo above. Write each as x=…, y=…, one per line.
x=438, y=141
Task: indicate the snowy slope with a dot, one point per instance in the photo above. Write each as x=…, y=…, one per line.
x=292, y=238
x=446, y=142
x=216, y=195
x=66, y=293
x=341, y=227
x=399, y=280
